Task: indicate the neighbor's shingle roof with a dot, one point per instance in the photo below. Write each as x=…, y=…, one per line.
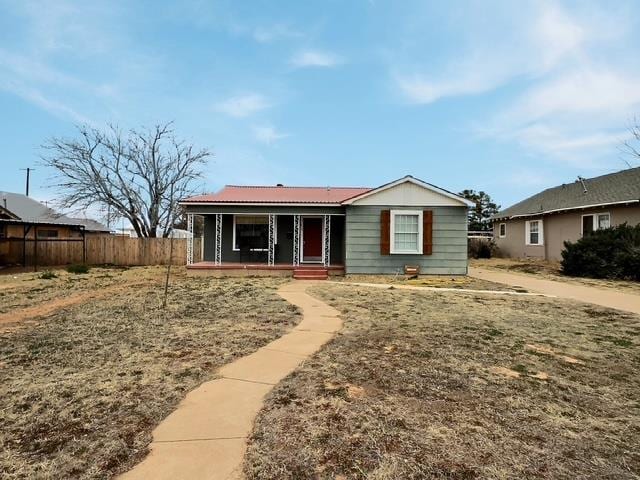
x=616, y=187
x=275, y=194
x=29, y=210
x=91, y=225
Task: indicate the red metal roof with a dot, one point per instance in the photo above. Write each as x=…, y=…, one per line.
x=275, y=194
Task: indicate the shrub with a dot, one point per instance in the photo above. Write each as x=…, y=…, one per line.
x=481, y=248
x=47, y=275
x=78, y=268
x=609, y=253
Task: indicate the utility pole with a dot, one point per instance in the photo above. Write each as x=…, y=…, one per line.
x=28, y=170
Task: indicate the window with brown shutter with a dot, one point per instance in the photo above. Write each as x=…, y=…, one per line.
x=427, y=232
x=385, y=232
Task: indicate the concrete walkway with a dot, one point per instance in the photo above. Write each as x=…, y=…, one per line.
x=600, y=296
x=205, y=438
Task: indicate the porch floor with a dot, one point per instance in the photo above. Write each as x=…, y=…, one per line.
x=258, y=269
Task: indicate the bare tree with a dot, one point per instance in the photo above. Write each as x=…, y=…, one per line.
x=632, y=147
x=139, y=175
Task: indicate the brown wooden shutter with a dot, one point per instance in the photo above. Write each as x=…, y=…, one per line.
x=385, y=232
x=427, y=232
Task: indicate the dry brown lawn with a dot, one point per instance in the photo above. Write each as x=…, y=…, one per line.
x=81, y=387
x=432, y=281
x=552, y=271
x=458, y=386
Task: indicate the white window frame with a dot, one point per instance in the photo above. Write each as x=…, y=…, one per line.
x=275, y=230
x=594, y=217
x=527, y=232
x=500, y=234
x=392, y=231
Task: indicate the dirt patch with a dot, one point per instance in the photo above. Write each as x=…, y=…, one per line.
x=82, y=389
x=442, y=398
x=47, y=308
x=29, y=290
x=506, y=372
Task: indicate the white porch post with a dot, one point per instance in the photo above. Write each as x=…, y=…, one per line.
x=271, y=248
x=326, y=253
x=190, y=238
x=296, y=240
x=217, y=260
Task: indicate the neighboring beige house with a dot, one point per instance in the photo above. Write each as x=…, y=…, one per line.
x=538, y=226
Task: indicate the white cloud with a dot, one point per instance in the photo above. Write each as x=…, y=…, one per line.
x=523, y=49
x=268, y=134
x=316, y=58
x=572, y=87
x=243, y=105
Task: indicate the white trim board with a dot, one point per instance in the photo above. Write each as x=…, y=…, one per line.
x=527, y=233
x=392, y=231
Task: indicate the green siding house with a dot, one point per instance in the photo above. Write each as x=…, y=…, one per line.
x=313, y=232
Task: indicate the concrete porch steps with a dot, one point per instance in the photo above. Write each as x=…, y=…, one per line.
x=311, y=273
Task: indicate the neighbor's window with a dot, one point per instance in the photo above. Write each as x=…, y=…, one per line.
x=252, y=232
x=3, y=231
x=406, y=231
x=47, y=233
x=534, y=232
x=502, y=232
x=593, y=222
x=604, y=221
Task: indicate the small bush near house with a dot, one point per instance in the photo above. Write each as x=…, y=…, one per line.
x=610, y=253
x=47, y=275
x=78, y=268
x=481, y=248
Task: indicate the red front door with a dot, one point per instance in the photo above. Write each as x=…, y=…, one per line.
x=312, y=239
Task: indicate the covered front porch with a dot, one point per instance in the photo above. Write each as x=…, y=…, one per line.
x=269, y=243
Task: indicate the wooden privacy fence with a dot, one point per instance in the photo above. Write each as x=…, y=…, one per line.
x=98, y=250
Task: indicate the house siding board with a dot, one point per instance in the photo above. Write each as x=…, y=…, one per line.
x=363, y=242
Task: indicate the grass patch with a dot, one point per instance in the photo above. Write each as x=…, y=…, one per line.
x=47, y=275
x=82, y=389
x=78, y=268
x=536, y=401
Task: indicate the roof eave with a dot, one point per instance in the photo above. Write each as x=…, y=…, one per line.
x=258, y=204
x=559, y=210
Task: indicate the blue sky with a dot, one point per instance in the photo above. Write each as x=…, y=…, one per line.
x=509, y=97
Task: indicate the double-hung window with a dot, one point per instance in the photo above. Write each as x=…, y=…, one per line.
x=534, y=232
x=502, y=230
x=595, y=221
x=406, y=232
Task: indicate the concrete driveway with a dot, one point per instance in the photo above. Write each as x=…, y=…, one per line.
x=628, y=302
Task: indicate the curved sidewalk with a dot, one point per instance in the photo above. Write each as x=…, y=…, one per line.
x=600, y=296
x=205, y=437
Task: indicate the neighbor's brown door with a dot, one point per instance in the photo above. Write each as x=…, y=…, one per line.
x=312, y=239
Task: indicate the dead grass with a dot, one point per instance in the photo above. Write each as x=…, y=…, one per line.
x=22, y=290
x=551, y=271
x=441, y=385
x=436, y=281
x=81, y=390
